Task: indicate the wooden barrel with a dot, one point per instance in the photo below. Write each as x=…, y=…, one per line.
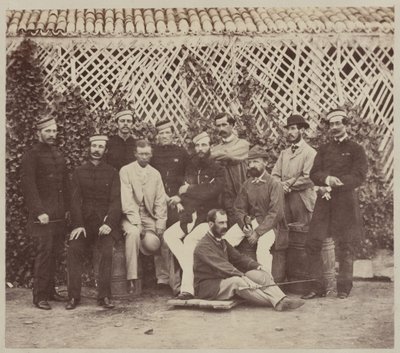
x=296, y=258
x=119, y=284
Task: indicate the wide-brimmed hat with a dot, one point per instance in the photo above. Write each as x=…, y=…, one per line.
x=149, y=243
x=257, y=152
x=296, y=120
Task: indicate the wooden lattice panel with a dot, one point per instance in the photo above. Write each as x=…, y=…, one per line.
x=296, y=74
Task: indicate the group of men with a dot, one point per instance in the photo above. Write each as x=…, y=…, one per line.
x=197, y=208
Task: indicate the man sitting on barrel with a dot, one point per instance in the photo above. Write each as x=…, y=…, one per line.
x=221, y=272
x=95, y=216
x=259, y=211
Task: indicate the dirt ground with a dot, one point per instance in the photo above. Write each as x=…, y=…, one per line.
x=364, y=320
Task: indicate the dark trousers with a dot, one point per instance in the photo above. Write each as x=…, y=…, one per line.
x=48, y=244
x=101, y=247
x=345, y=252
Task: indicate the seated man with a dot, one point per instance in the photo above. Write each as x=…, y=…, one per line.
x=200, y=193
x=259, y=211
x=221, y=272
x=144, y=207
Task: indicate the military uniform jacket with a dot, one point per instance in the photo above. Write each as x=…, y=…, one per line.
x=171, y=161
x=214, y=261
x=340, y=216
x=44, y=182
x=294, y=168
x=96, y=196
x=120, y=152
x=206, y=180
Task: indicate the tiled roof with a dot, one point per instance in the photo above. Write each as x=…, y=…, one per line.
x=180, y=21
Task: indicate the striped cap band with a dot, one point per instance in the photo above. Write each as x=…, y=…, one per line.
x=336, y=114
x=161, y=125
x=45, y=122
x=123, y=113
x=98, y=138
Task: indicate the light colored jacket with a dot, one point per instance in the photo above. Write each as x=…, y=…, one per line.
x=295, y=168
x=151, y=190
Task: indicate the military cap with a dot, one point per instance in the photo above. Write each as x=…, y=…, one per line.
x=163, y=124
x=98, y=137
x=296, y=120
x=257, y=152
x=200, y=136
x=335, y=113
x=123, y=113
x=45, y=122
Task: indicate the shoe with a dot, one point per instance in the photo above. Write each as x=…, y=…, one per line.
x=163, y=286
x=185, y=296
x=329, y=294
x=57, y=297
x=289, y=304
x=72, y=304
x=105, y=303
x=311, y=295
x=43, y=304
x=342, y=295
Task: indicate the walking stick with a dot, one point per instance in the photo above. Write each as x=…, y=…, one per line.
x=278, y=284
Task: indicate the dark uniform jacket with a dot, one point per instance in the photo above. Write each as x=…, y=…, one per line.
x=214, y=261
x=206, y=179
x=264, y=201
x=45, y=182
x=120, y=152
x=171, y=161
x=340, y=216
x=96, y=196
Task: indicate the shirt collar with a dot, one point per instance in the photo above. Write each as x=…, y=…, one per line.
x=214, y=237
x=342, y=138
x=228, y=139
x=123, y=138
x=259, y=179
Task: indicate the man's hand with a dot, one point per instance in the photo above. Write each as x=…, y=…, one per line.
x=44, y=218
x=183, y=188
x=250, y=283
x=334, y=181
x=173, y=200
x=253, y=238
x=286, y=187
x=159, y=232
x=104, y=230
x=179, y=207
x=76, y=232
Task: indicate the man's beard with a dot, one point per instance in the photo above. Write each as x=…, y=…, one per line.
x=218, y=233
x=254, y=172
x=203, y=155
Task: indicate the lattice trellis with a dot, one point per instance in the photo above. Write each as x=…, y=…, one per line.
x=297, y=73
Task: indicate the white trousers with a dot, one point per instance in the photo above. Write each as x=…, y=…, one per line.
x=183, y=247
x=235, y=235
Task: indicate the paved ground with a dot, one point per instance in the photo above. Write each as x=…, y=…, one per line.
x=364, y=320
